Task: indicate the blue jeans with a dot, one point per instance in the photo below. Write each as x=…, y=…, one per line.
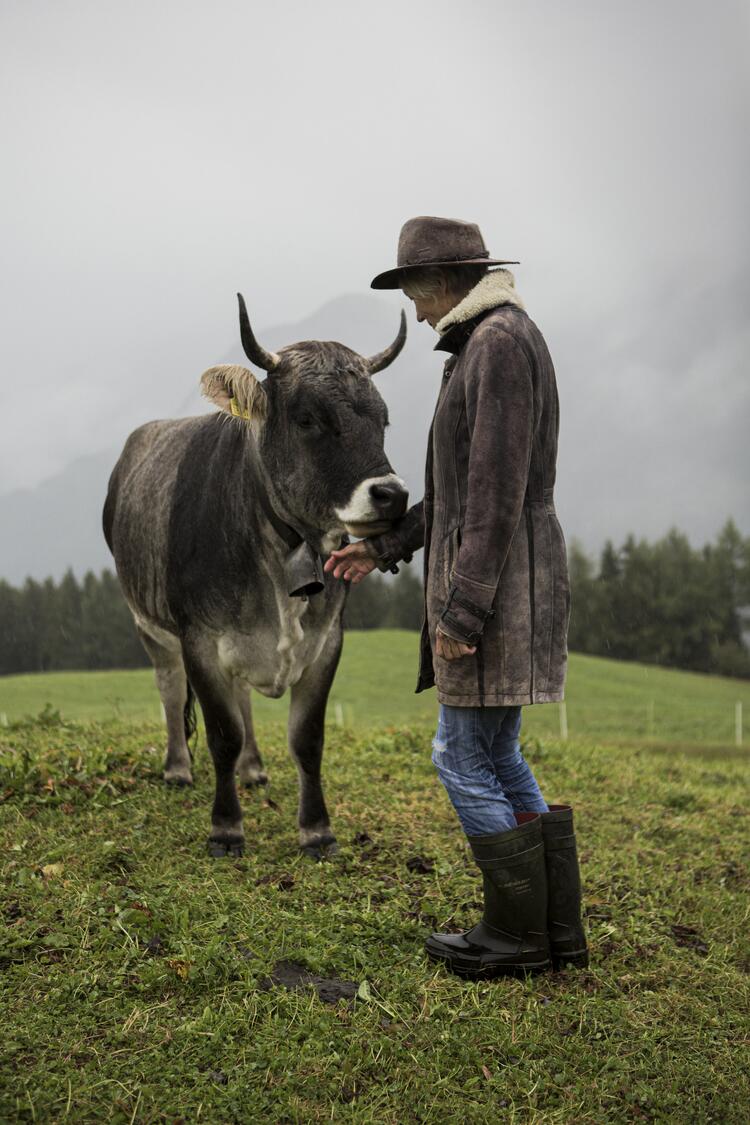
x=477, y=754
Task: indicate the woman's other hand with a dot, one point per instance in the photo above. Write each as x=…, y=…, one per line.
x=451, y=649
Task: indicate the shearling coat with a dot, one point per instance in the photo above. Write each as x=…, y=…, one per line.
x=495, y=562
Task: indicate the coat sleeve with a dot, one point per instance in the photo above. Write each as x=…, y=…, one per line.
x=500, y=416
x=399, y=544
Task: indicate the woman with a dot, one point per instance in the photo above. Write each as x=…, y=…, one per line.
x=496, y=594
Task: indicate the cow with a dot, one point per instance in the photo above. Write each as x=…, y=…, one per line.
x=218, y=525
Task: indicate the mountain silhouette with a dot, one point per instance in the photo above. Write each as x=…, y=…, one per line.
x=57, y=524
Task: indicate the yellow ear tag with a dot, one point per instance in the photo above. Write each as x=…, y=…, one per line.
x=236, y=410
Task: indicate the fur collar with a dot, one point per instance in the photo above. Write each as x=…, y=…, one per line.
x=496, y=288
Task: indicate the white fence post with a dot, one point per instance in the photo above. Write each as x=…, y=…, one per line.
x=738, y=722
x=564, y=721
x=650, y=718
x=339, y=713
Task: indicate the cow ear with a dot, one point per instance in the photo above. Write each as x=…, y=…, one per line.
x=235, y=390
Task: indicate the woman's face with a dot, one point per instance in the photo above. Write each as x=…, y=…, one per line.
x=434, y=308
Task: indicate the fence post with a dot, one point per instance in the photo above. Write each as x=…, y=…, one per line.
x=339, y=713
x=563, y=721
x=650, y=718
x=738, y=722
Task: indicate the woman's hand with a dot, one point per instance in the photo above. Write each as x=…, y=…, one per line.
x=352, y=563
x=451, y=649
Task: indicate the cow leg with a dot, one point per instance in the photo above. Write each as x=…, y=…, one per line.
x=172, y=684
x=306, y=732
x=250, y=769
x=225, y=734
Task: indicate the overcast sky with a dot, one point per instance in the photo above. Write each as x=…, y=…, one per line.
x=159, y=156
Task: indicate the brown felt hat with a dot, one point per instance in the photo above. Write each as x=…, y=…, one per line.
x=430, y=241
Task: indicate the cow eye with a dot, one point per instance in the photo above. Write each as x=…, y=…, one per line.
x=305, y=421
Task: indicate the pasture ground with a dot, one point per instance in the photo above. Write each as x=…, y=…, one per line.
x=141, y=981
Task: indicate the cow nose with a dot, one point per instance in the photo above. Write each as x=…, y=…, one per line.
x=389, y=498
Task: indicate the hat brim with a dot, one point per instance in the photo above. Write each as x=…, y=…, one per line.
x=391, y=279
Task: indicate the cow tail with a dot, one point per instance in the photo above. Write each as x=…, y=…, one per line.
x=189, y=719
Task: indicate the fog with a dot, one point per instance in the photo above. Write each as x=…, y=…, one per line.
x=157, y=158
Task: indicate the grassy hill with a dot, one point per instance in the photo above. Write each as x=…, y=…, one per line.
x=607, y=700
x=142, y=982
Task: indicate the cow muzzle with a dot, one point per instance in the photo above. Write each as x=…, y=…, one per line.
x=374, y=505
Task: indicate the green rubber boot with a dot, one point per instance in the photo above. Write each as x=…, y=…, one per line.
x=512, y=937
x=566, y=935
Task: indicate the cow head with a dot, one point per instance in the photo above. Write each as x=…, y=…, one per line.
x=318, y=422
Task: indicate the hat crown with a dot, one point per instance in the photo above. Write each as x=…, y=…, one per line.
x=428, y=239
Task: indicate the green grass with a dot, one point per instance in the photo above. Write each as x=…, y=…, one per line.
x=133, y=968
x=606, y=699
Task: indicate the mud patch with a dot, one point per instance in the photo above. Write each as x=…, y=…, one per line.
x=282, y=882
x=420, y=865
x=155, y=945
x=688, y=938
x=292, y=975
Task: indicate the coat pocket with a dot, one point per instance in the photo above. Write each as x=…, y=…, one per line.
x=441, y=567
x=454, y=542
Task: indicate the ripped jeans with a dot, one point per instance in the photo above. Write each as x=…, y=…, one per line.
x=477, y=754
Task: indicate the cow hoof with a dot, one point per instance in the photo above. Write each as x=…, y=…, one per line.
x=321, y=849
x=178, y=781
x=219, y=850
x=254, y=781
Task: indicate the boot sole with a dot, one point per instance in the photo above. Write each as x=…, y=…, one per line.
x=579, y=959
x=488, y=971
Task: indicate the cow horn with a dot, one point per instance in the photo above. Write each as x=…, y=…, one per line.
x=254, y=352
x=382, y=359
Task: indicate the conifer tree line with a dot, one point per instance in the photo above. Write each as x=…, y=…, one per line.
x=665, y=602
x=48, y=626
x=661, y=603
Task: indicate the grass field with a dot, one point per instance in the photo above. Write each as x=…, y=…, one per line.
x=141, y=981
x=606, y=699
